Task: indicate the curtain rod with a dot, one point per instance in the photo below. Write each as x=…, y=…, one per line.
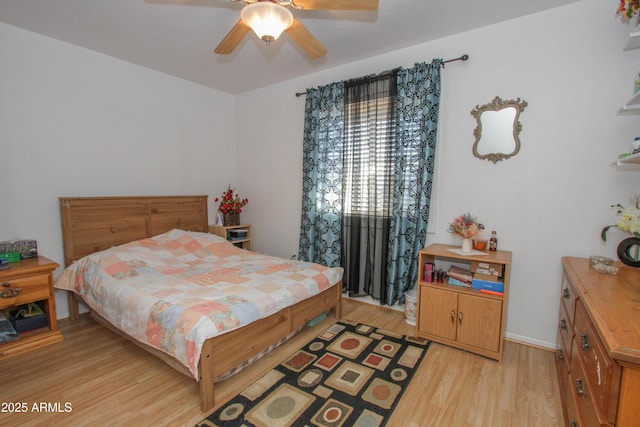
x=461, y=58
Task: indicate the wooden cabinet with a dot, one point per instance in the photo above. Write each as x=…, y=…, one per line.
x=598, y=345
x=34, y=278
x=459, y=316
x=227, y=232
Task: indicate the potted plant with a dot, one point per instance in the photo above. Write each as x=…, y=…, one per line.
x=629, y=221
x=231, y=206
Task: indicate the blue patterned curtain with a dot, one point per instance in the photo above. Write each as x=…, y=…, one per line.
x=321, y=227
x=418, y=106
x=418, y=96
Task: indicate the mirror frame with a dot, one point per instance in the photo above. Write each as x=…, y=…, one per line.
x=496, y=105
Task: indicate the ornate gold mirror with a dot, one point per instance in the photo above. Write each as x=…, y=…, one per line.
x=497, y=133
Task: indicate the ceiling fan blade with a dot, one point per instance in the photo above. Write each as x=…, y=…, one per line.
x=306, y=40
x=232, y=39
x=337, y=4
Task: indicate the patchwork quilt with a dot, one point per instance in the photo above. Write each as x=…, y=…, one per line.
x=175, y=290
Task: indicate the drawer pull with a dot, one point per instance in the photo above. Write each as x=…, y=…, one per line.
x=573, y=423
x=560, y=354
x=566, y=294
x=584, y=342
x=453, y=316
x=563, y=325
x=580, y=387
x=8, y=291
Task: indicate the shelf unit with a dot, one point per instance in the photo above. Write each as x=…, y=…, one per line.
x=223, y=231
x=458, y=316
x=34, y=278
x=632, y=106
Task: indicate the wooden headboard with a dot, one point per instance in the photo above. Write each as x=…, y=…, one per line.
x=92, y=224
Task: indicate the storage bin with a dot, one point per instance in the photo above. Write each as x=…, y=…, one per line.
x=28, y=317
x=410, y=304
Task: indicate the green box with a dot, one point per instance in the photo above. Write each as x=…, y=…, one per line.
x=11, y=256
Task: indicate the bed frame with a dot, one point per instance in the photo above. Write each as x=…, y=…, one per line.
x=91, y=224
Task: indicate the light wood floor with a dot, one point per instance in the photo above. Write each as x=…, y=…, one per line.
x=109, y=381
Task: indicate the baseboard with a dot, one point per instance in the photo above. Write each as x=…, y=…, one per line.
x=531, y=342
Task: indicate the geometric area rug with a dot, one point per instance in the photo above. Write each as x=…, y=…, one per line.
x=350, y=375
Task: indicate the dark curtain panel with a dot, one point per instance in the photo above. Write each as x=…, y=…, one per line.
x=368, y=182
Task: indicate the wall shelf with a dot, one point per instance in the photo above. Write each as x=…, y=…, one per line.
x=633, y=159
x=634, y=40
x=632, y=106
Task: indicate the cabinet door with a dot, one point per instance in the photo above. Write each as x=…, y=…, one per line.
x=479, y=321
x=438, y=312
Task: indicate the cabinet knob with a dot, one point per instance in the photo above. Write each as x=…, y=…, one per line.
x=573, y=423
x=453, y=316
x=584, y=342
x=580, y=387
x=560, y=354
x=563, y=325
x=566, y=294
x=460, y=318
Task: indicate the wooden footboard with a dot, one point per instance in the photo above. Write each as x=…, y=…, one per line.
x=228, y=351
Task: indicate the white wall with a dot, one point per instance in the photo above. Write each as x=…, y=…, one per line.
x=549, y=201
x=77, y=123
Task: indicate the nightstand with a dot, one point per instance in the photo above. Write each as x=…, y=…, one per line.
x=34, y=278
x=228, y=231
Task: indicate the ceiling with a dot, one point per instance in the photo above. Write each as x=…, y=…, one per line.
x=177, y=37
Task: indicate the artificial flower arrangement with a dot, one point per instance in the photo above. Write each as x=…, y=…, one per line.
x=628, y=8
x=466, y=225
x=230, y=202
x=628, y=219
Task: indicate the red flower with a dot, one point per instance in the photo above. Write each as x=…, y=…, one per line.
x=230, y=202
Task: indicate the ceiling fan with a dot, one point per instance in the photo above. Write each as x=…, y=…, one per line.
x=269, y=18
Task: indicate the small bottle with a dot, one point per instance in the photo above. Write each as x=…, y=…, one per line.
x=493, y=241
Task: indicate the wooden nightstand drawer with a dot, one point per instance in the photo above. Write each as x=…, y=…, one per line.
x=33, y=288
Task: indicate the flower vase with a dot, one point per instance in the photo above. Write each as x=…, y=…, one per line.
x=629, y=251
x=466, y=246
x=232, y=218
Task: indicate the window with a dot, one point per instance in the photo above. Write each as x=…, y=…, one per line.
x=369, y=149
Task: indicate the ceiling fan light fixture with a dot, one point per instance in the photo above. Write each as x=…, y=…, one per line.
x=267, y=19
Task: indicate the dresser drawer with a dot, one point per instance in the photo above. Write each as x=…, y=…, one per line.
x=565, y=333
x=580, y=388
x=568, y=296
x=33, y=288
x=572, y=415
x=602, y=373
x=562, y=367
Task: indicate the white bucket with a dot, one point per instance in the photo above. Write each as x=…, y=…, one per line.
x=410, y=304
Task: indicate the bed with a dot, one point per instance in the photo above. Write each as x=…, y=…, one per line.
x=123, y=235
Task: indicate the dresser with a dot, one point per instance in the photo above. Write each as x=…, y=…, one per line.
x=598, y=345
x=32, y=279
